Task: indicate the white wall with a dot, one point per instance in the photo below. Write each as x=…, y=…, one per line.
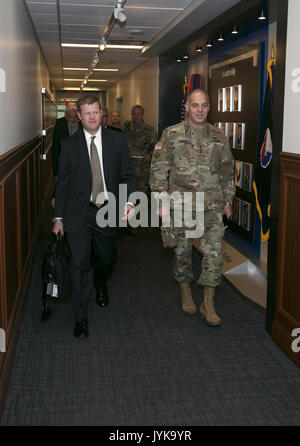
x=291, y=120
x=141, y=86
x=25, y=73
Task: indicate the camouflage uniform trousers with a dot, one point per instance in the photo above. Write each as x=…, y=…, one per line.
x=142, y=173
x=210, y=247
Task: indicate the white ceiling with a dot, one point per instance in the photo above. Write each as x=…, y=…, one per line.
x=158, y=24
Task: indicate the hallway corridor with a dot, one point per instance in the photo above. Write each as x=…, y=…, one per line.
x=145, y=362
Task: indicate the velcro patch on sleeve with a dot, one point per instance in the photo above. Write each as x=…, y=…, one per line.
x=158, y=146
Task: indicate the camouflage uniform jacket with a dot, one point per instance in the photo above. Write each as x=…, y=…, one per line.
x=141, y=139
x=187, y=159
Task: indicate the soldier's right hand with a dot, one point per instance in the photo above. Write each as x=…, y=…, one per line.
x=163, y=212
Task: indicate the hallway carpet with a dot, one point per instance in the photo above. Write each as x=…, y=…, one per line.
x=146, y=363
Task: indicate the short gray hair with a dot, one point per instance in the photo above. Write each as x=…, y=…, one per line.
x=197, y=90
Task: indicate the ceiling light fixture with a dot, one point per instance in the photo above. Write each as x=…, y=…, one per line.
x=106, y=69
x=178, y=59
x=102, y=44
x=234, y=30
x=98, y=80
x=96, y=58
x=119, y=14
x=261, y=15
x=186, y=56
x=117, y=46
x=96, y=69
x=209, y=44
x=221, y=38
x=199, y=49
x=79, y=88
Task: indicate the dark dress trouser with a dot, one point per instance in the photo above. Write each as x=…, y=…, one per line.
x=94, y=254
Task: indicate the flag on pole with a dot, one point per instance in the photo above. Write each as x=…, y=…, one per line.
x=187, y=89
x=263, y=171
x=184, y=92
x=194, y=82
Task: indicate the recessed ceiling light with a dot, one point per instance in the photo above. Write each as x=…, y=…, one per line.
x=109, y=45
x=93, y=80
x=98, y=80
x=136, y=32
x=96, y=69
x=78, y=88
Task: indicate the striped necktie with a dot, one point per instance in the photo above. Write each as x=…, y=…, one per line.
x=96, y=173
x=73, y=129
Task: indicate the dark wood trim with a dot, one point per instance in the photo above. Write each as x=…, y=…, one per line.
x=36, y=188
x=287, y=307
x=280, y=11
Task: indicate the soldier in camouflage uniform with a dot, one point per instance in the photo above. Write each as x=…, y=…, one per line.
x=195, y=156
x=141, y=138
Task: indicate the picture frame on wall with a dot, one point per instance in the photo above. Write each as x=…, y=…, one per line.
x=228, y=99
x=220, y=100
x=237, y=98
x=247, y=177
x=236, y=210
x=240, y=135
x=238, y=173
x=246, y=215
x=223, y=127
x=231, y=134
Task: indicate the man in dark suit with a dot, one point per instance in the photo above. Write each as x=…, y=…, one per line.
x=93, y=163
x=68, y=126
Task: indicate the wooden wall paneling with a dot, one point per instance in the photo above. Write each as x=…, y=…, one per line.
x=287, y=306
x=3, y=316
x=24, y=211
x=38, y=196
x=43, y=174
x=11, y=277
x=18, y=227
x=35, y=183
x=31, y=183
x=20, y=218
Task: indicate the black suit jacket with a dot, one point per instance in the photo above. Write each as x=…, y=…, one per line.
x=60, y=131
x=74, y=184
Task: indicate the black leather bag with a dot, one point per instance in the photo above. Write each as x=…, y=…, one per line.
x=55, y=274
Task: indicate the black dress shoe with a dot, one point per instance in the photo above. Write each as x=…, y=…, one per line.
x=102, y=297
x=81, y=329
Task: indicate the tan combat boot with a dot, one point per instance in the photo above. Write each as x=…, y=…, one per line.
x=207, y=309
x=187, y=303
